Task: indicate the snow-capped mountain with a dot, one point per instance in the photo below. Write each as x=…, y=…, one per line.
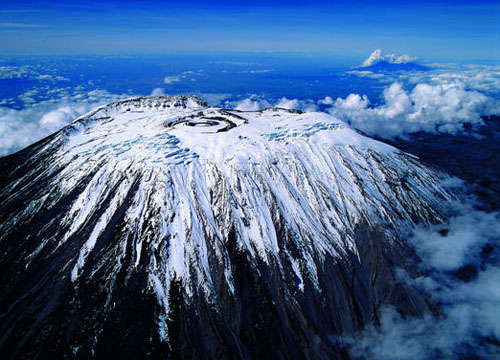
x=385, y=66
x=163, y=227
x=379, y=62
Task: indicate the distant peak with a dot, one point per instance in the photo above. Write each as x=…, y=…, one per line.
x=377, y=56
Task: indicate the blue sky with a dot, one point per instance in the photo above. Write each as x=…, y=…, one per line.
x=433, y=30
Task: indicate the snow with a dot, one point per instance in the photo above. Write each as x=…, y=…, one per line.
x=202, y=171
x=151, y=134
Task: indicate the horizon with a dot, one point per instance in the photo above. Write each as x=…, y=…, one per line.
x=433, y=30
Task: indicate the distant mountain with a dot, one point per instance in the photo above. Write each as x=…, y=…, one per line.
x=379, y=62
x=161, y=227
x=385, y=66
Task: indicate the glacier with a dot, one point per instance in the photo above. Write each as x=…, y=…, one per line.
x=165, y=227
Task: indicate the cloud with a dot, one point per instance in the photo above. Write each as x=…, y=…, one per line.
x=477, y=77
x=186, y=75
x=372, y=75
x=256, y=71
x=35, y=72
x=438, y=101
x=469, y=323
x=377, y=56
x=255, y=102
x=56, y=119
x=171, y=79
x=437, y=105
x=20, y=128
x=52, y=78
x=288, y=103
x=234, y=63
x=449, y=246
x=326, y=101
x=484, y=78
x=304, y=105
x=248, y=105
x=214, y=99
x=445, y=107
x=158, y=91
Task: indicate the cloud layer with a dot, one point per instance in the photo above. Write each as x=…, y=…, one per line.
x=484, y=78
x=462, y=273
x=445, y=107
x=20, y=128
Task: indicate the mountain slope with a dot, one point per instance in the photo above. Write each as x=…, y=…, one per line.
x=161, y=226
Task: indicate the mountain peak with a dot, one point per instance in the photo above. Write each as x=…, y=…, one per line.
x=173, y=129
x=168, y=213
x=377, y=61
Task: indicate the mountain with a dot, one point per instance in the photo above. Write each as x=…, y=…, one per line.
x=161, y=227
x=380, y=62
x=386, y=66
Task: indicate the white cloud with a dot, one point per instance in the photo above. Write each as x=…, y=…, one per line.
x=463, y=238
x=56, y=119
x=477, y=77
x=186, y=75
x=158, y=91
x=36, y=72
x=370, y=74
x=248, y=105
x=288, y=103
x=326, y=101
x=304, y=105
x=485, y=78
x=469, y=323
x=235, y=63
x=171, y=79
x=377, y=56
x=20, y=128
x=255, y=102
x=214, y=99
x=256, y=71
x=445, y=107
x=262, y=71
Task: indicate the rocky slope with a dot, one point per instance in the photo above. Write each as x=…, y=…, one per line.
x=161, y=227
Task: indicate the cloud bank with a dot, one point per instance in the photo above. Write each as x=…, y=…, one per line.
x=462, y=272
x=445, y=108
x=484, y=78
x=249, y=105
x=20, y=128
